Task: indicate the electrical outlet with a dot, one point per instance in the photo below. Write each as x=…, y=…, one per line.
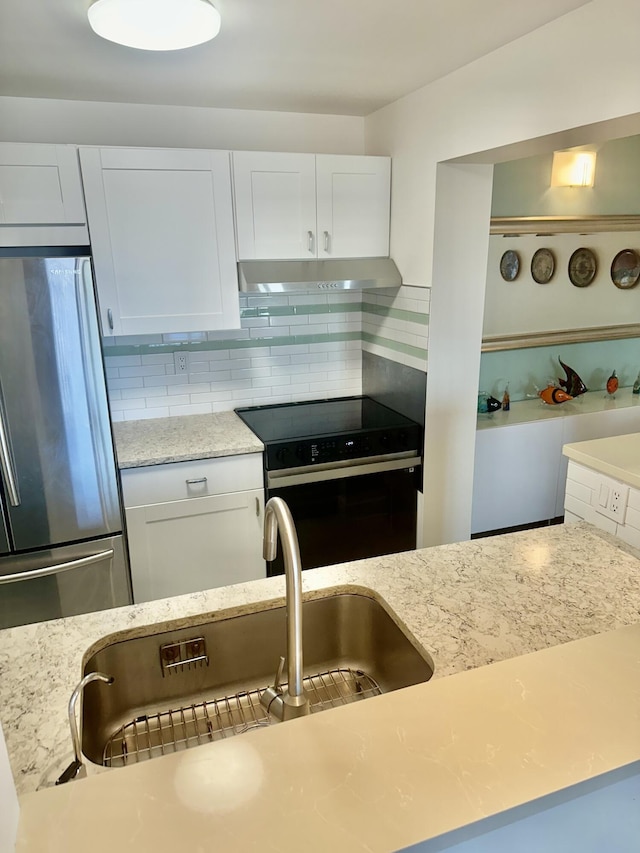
x=613, y=499
x=180, y=361
x=618, y=502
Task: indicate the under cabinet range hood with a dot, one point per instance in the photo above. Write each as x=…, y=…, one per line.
x=317, y=276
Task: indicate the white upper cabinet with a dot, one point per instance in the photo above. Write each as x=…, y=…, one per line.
x=353, y=204
x=302, y=206
x=40, y=195
x=275, y=196
x=162, y=236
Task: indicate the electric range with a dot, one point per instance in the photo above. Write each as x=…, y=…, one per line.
x=349, y=469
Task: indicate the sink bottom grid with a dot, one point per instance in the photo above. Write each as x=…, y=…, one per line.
x=164, y=732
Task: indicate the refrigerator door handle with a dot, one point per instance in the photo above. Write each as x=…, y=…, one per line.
x=57, y=569
x=6, y=458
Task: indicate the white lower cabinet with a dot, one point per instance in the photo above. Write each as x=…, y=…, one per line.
x=194, y=525
x=520, y=472
x=515, y=475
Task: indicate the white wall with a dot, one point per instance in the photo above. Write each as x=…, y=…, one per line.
x=523, y=99
x=10, y=811
x=101, y=123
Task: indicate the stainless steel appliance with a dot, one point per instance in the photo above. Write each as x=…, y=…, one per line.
x=325, y=276
x=348, y=468
x=62, y=550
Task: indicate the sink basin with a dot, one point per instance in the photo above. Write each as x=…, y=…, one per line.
x=178, y=688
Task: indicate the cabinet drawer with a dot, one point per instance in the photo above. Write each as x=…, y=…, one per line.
x=176, y=481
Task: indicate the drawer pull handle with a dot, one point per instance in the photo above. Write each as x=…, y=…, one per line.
x=196, y=481
x=258, y=507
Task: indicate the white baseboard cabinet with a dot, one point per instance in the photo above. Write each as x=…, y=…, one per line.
x=520, y=472
x=194, y=525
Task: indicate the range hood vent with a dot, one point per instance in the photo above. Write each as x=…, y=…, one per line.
x=317, y=276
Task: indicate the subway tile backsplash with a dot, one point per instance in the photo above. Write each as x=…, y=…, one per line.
x=288, y=348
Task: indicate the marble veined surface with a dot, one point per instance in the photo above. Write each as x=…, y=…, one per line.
x=467, y=604
x=180, y=439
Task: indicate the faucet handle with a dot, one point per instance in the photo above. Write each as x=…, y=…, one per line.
x=279, y=673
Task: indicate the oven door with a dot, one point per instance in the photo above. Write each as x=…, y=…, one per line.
x=349, y=512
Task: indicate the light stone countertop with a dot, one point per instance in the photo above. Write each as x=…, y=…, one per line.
x=468, y=604
x=434, y=764
x=180, y=439
x=618, y=456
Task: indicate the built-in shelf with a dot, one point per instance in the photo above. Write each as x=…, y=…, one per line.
x=513, y=226
x=528, y=411
x=525, y=340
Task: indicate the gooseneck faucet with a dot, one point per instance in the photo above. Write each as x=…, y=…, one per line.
x=291, y=702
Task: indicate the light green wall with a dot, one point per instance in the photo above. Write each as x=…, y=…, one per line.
x=525, y=369
x=521, y=187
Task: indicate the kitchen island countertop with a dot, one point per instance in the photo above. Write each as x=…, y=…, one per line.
x=181, y=439
x=468, y=604
x=617, y=456
x=470, y=746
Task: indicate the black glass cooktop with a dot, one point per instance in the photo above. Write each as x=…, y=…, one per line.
x=329, y=430
x=319, y=418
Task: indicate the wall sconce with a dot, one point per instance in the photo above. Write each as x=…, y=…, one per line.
x=573, y=168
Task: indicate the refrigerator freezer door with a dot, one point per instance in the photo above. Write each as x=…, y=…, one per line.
x=58, y=464
x=63, y=581
x=4, y=538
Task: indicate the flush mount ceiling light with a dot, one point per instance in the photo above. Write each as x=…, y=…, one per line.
x=155, y=24
x=573, y=168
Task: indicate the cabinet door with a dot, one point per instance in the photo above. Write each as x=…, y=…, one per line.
x=275, y=197
x=40, y=186
x=161, y=225
x=515, y=475
x=353, y=203
x=190, y=545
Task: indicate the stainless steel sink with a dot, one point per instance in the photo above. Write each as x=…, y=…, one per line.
x=179, y=688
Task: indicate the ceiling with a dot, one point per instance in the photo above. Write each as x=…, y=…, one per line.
x=346, y=57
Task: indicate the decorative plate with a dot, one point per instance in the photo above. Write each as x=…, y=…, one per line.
x=582, y=267
x=625, y=269
x=509, y=265
x=543, y=265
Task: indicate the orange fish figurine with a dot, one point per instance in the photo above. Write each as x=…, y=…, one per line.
x=612, y=384
x=552, y=395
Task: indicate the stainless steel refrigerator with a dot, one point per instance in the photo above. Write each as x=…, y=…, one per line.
x=62, y=549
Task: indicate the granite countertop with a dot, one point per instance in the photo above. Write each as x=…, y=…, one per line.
x=180, y=439
x=467, y=604
x=618, y=456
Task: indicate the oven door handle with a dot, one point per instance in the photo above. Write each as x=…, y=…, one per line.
x=298, y=477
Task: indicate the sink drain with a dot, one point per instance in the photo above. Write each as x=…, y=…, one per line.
x=164, y=732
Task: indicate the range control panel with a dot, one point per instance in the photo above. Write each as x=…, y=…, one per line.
x=319, y=451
